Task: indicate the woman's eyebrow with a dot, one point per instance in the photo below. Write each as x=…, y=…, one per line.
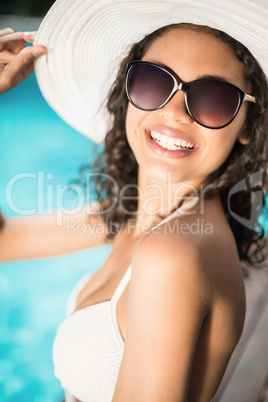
x=211, y=77
x=199, y=77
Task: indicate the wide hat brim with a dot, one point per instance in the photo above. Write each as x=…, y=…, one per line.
x=87, y=39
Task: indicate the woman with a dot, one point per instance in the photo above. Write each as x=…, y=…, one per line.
x=187, y=127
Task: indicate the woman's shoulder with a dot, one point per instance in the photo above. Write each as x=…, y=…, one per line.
x=165, y=258
x=196, y=250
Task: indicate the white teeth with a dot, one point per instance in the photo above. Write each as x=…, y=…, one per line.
x=170, y=143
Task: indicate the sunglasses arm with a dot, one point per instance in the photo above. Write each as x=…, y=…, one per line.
x=249, y=98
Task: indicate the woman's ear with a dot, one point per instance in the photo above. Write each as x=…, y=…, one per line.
x=243, y=136
x=243, y=139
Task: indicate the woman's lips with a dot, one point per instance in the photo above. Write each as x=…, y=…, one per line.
x=169, y=142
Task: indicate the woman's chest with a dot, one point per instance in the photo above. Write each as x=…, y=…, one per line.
x=93, y=335
x=102, y=285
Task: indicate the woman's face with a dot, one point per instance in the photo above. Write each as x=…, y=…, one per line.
x=190, y=55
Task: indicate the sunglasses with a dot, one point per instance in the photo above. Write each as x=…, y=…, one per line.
x=212, y=103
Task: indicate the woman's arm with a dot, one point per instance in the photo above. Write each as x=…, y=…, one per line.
x=48, y=235
x=168, y=302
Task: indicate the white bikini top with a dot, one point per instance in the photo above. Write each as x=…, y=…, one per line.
x=88, y=346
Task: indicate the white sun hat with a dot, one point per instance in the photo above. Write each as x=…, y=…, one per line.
x=87, y=39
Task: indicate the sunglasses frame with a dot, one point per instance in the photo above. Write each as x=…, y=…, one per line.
x=184, y=87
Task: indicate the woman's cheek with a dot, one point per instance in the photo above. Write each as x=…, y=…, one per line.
x=134, y=119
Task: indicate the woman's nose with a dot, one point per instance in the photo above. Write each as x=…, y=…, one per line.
x=176, y=110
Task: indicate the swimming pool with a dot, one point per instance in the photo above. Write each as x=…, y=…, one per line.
x=36, y=146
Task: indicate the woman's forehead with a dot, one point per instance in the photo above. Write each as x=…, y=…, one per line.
x=190, y=54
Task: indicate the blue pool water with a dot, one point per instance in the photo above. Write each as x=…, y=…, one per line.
x=35, y=143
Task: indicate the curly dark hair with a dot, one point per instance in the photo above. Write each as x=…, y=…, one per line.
x=118, y=160
x=2, y=221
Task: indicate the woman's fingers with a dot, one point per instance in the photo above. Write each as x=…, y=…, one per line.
x=11, y=41
x=16, y=60
x=29, y=36
x=6, y=56
x=6, y=31
x=20, y=67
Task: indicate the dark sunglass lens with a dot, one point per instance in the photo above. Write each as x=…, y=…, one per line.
x=213, y=103
x=148, y=86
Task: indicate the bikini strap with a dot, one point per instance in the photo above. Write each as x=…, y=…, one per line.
x=180, y=211
x=121, y=287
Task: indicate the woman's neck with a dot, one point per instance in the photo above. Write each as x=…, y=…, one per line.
x=157, y=199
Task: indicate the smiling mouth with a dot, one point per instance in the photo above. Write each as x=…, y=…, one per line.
x=170, y=143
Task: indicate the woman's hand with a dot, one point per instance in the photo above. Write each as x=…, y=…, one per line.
x=16, y=60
